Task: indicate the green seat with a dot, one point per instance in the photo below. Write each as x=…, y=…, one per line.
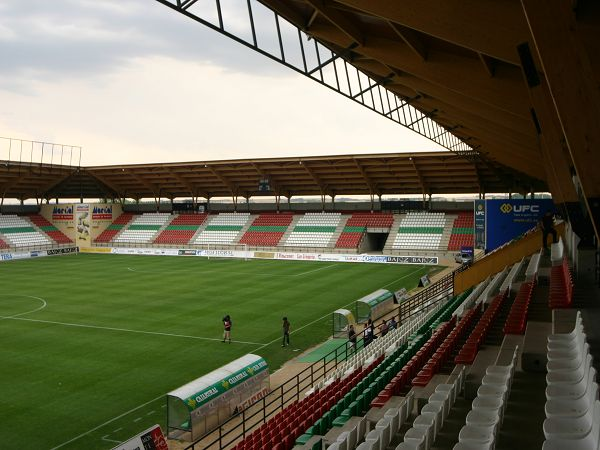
x=303, y=439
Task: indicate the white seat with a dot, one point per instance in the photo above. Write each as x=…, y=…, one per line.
x=577, y=329
x=374, y=439
x=483, y=417
x=588, y=441
x=572, y=391
x=565, y=407
x=427, y=421
x=483, y=437
x=394, y=415
x=384, y=425
x=436, y=409
x=417, y=437
x=569, y=427
x=568, y=363
x=570, y=376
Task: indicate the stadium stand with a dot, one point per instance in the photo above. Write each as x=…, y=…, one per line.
x=420, y=230
x=222, y=229
x=143, y=228
x=267, y=230
x=114, y=228
x=357, y=225
x=58, y=236
x=314, y=230
x=181, y=229
x=18, y=231
x=462, y=231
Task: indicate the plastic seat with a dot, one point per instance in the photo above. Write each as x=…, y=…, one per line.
x=569, y=427
x=565, y=407
x=588, y=441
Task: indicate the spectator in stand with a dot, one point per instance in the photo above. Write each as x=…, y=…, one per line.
x=286, y=332
x=383, y=328
x=368, y=332
x=352, y=337
x=227, y=328
x=392, y=324
x=547, y=224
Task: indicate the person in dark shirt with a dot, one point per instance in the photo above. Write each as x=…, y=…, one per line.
x=352, y=337
x=227, y=328
x=286, y=332
x=547, y=223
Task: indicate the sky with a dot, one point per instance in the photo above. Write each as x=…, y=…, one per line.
x=132, y=81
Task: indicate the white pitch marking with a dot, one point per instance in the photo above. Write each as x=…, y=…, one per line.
x=118, y=429
x=408, y=274
x=150, y=413
x=314, y=270
x=107, y=422
x=137, y=420
x=96, y=327
x=105, y=438
x=325, y=316
x=133, y=269
x=44, y=304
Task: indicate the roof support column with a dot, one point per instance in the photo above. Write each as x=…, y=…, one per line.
x=576, y=99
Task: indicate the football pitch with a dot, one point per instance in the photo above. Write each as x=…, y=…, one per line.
x=90, y=344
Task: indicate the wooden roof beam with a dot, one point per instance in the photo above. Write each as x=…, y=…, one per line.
x=411, y=38
x=315, y=178
x=462, y=22
x=233, y=189
x=424, y=186
x=341, y=20
x=372, y=186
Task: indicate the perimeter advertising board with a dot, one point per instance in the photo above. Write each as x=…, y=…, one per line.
x=150, y=439
x=507, y=219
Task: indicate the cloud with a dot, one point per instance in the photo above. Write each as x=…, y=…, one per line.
x=42, y=39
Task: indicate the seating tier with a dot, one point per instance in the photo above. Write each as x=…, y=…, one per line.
x=19, y=232
x=144, y=228
x=222, y=229
x=420, y=230
x=267, y=230
x=314, y=230
x=113, y=229
x=58, y=236
x=462, y=232
x=181, y=229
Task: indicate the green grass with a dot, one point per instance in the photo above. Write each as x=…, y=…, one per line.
x=119, y=332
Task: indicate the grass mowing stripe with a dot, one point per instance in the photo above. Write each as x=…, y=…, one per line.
x=50, y=371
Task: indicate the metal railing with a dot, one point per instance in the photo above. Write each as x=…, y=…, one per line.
x=256, y=25
x=238, y=426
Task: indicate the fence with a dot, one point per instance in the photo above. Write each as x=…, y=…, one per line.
x=238, y=426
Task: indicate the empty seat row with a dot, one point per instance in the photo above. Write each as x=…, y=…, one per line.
x=516, y=322
x=482, y=424
x=572, y=407
x=445, y=350
x=561, y=286
x=434, y=413
x=470, y=348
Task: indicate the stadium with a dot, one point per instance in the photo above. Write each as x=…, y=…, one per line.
x=442, y=299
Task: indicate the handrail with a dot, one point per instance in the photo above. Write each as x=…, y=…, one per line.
x=290, y=390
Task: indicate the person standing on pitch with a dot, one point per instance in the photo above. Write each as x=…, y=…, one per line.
x=286, y=332
x=227, y=328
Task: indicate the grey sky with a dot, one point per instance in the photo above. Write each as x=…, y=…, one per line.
x=133, y=81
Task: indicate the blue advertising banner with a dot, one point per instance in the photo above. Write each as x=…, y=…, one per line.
x=507, y=219
x=479, y=215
